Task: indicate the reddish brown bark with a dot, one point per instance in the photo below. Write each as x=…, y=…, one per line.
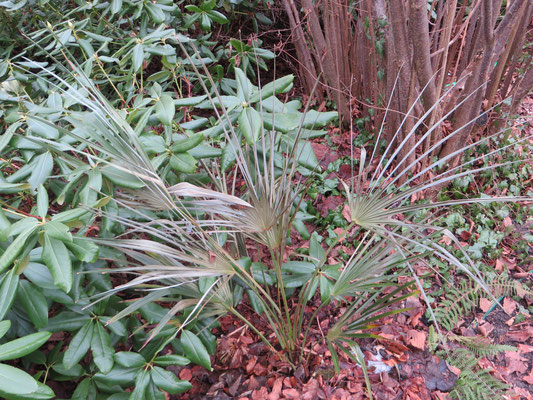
x=361, y=48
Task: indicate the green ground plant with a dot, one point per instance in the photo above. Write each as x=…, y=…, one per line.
x=15, y=381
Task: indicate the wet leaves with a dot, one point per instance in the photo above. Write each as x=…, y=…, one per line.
x=417, y=339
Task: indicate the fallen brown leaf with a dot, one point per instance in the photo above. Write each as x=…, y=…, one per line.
x=253, y=383
x=186, y=374
x=346, y=213
x=485, y=304
x=341, y=233
x=515, y=362
x=499, y=266
x=260, y=370
x=416, y=339
x=291, y=394
x=246, y=339
x=260, y=394
x=330, y=203
x=456, y=371
x=441, y=395
x=57, y=336
x=235, y=386
x=276, y=389
x=251, y=364
x=324, y=154
x=529, y=378
x=509, y=305
x=521, y=393
x=465, y=235
x=486, y=328
x=525, y=348
x=310, y=390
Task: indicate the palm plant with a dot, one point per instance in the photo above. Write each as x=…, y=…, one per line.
x=188, y=244
x=379, y=201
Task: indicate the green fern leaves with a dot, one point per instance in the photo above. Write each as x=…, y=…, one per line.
x=463, y=299
x=459, y=302
x=474, y=383
x=481, y=347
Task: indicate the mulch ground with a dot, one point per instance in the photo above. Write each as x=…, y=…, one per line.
x=401, y=367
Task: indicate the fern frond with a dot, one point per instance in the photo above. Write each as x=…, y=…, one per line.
x=463, y=299
x=433, y=339
x=481, y=347
x=504, y=285
x=473, y=383
x=458, y=302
